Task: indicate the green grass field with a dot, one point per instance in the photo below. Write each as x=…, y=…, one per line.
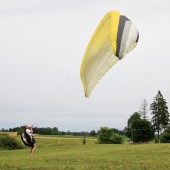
x=70, y=154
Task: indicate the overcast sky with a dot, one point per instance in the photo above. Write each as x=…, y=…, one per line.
x=42, y=44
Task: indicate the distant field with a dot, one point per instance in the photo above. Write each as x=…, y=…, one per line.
x=61, y=154
x=9, y=133
x=44, y=141
x=62, y=136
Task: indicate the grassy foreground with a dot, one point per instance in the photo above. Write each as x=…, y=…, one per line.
x=70, y=154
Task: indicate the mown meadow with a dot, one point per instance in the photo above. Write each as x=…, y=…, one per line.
x=56, y=153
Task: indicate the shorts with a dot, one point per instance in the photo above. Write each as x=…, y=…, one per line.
x=33, y=141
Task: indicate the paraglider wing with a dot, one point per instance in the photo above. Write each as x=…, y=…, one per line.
x=114, y=37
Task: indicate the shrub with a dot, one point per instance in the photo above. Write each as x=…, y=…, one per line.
x=10, y=143
x=107, y=136
x=117, y=139
x=165, y=137
x=104, y=135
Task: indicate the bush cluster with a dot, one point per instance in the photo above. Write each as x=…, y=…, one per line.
x=165, y=137
x=117, y=139
x=107, y=136
x=10, y=143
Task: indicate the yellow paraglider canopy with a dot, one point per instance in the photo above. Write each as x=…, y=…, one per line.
x=114, y=37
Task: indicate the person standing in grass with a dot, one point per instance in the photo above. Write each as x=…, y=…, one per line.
x=29, y=133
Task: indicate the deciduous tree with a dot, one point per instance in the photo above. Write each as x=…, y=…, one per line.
x=139, y=130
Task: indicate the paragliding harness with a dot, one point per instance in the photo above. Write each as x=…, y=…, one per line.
x=26, y=139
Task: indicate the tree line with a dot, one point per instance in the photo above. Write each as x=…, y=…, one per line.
x=139, y=128
x=55, y=131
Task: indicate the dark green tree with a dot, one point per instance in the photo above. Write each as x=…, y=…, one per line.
x=138, y=129
x=142, y=131
x=159, y=110
x=92, y=133
x=134, y=117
